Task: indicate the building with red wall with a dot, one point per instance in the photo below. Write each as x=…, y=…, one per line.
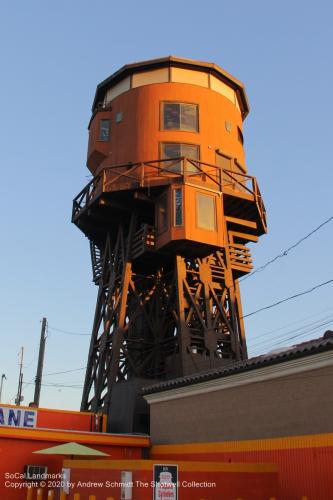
x=275, y=408
x=47, y=428
x=103, y=477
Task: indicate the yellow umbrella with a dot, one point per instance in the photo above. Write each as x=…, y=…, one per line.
x=71, y=449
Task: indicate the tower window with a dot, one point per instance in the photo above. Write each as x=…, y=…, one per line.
x=170, y=150
x=225, y=163
x=104, y=130
x=206, y=212
x=119, y=117
x=178, y=204
x=223, y=160
x=240, y=135
x=228, y=126
x=180, y=116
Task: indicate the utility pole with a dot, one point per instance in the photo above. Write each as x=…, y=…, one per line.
x=3, y=377
x=38, y=379
x=19, y=389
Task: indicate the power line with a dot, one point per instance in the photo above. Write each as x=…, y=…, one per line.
x=23, y=387
x=50, y=384
x=66, y=371
x=298, y=332
x=60, y=385
x=292, y=323
x=263, y=337
x=288, y=298
x=311, y=329
x=284, y=253
x=32, y=360
x=67, y=332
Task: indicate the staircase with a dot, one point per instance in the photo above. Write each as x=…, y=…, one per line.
x=96, y=261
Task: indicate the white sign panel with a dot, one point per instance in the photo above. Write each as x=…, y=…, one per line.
x=126, y=485
x=18, y=417
x=66, y=477
x=165, y=482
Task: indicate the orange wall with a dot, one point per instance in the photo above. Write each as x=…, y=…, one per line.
x=138, y=136
x=305, y=463
x=189, y=229
x=17, y=447
x=61, y=419
x=246, y=482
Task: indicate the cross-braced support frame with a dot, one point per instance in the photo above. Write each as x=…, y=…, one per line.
x=182, y=318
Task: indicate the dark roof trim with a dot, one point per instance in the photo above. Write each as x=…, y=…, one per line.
x=169, y=61
x=302, y=350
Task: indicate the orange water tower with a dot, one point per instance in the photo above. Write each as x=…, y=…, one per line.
x=168, y=213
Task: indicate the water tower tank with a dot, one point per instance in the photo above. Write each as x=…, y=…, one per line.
x=168, y=213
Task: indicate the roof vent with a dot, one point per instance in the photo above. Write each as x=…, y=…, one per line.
x=328, y=334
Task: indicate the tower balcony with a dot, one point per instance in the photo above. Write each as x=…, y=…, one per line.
x=241, y=195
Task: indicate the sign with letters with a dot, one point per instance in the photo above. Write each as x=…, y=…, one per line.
x=165, y=482
x=18, y=417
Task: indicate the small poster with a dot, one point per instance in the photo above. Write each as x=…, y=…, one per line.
x=126, y=485
x=165, y=482
x=65, y=479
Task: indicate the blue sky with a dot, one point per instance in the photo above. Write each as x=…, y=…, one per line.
x=53, y=54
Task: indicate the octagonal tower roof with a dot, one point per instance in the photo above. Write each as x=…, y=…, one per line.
x=174, y=62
